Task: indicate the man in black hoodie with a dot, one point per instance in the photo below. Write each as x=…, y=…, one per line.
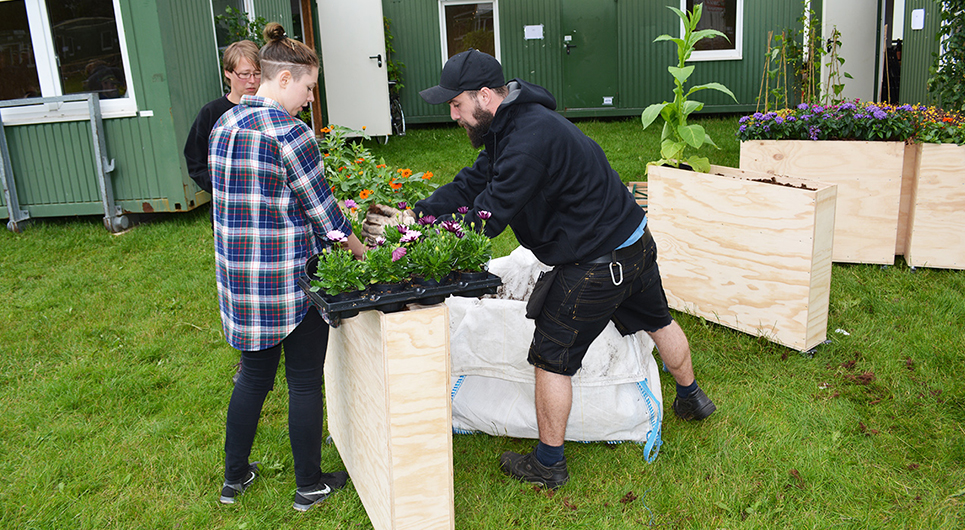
x=540, y=175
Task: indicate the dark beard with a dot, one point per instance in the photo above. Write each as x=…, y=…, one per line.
x=484, y=119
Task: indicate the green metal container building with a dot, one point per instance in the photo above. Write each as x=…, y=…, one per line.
x=611, y=67
x=170, y=62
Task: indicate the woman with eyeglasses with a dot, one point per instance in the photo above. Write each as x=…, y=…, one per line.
x=243, y=73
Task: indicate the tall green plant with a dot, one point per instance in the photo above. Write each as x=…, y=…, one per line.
x=240, y=27
x=947, y=80
x=677, y=133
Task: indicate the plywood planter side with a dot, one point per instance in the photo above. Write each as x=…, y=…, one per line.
x=870, y=178
x=749, y=255
x=936, y=237
x=387, y=396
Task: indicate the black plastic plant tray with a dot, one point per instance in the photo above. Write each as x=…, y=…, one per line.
x=428, y=295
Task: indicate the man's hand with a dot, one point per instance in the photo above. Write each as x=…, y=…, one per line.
x=406, y=217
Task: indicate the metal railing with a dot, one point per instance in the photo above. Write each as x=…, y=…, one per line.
x=114, y=219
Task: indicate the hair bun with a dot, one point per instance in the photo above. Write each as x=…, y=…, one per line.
x=274, y=32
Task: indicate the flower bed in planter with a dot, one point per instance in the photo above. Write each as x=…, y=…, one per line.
x=751, y=255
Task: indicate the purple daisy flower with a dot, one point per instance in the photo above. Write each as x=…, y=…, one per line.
x=337, y=236
x=427, y=220
x=483, y=214
x=398, y=253
x=463, y=210
x=411, y=235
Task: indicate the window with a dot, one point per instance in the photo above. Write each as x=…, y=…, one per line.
x=59, y=47
x=727, y=17
x=220, y=8
x=469, y=25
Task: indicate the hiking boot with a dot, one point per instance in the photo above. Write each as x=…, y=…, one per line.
x=305, y=498
x=528, y=469
x=697, y=406
x=231, y=492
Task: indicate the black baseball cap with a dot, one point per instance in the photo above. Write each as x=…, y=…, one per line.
x=469, y=70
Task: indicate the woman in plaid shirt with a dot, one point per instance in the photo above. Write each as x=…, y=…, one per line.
x=270, y=201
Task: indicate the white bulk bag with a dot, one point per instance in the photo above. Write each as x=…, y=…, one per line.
x=616, y=395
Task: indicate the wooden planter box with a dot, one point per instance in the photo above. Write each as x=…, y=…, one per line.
x=752, y=256
x=387, y=394
x=870, y=220
x=936, y=237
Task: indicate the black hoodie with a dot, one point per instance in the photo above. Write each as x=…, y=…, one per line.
x=539, y=174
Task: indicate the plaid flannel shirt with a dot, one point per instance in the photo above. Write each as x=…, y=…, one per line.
x=270, y=200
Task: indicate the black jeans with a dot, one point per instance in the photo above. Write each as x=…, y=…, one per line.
x=304, y=360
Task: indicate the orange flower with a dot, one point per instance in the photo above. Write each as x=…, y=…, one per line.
x=343, y=168
x=427, y=175
x=333, y=188
x=360, y=160
x=325, y=130
x=326, y=154
x=365, y=194
x=395, y=185
x=406, y=173
x=380, y=166
x=363, y=127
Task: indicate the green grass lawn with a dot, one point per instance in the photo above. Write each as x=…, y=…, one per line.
x=114, y=383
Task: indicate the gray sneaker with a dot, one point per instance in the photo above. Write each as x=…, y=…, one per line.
x=305, y=498
x=231, y=491
x=528, y=469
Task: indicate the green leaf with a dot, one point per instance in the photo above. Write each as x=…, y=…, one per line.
x=715, y=86
x=849, y=76
x=651, y=113
x=723, y=506
x=680, y=14
x=667, y=131
x=672, y=150
x=692, y=106
x=678, y=42
x=699, y=163
x=692, y=134
x=709, y=141
x=681, y=74
x=708, y=34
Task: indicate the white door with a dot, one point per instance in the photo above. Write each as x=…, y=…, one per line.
x=857, y=22
x=353, y=61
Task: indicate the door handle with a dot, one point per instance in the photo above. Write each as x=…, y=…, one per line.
x=379, y=57
x=568, y=46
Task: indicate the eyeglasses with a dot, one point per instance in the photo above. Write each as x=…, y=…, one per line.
x=247, y=75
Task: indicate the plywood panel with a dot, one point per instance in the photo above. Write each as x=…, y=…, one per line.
x=750, y=255
x=909, y=174
x=387, y=393
x=869, y=179
x=936, y=238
